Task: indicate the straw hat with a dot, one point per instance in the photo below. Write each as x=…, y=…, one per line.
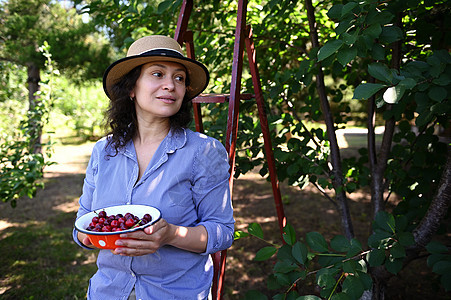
x=157, y=48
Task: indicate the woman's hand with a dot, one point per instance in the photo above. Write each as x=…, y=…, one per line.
x=161, y=233
x=147, y=241
x=83, y=238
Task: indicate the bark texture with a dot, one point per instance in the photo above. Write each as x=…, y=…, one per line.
x=336, y=172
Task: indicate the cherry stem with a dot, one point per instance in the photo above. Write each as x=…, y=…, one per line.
x=136, y=225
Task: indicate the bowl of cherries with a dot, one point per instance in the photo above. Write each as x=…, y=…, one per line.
x=104, y=226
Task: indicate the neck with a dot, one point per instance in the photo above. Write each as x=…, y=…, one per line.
x=149, y=133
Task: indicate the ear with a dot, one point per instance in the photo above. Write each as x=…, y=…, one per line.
x=132, y=94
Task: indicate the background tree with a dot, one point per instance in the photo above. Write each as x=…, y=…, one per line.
x=77, y=49
x=24, y=27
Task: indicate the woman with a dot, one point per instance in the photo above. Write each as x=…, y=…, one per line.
x=151, y=158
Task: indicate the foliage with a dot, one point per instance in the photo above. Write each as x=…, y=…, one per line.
x=25, y=25
x=341, y=267
x=22, y=168
x=79, y=108
x=10, y=91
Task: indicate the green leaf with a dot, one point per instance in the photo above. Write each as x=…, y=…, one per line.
x=446, y=281
x=443, y=80
x=317, y=242
x=378, y=52
x=347, y=8
x=284, y=267
x=265, y=253
x=289, y=234
x=366, y=280
x=390, y=34
x=393, y=265
x=408, y=83
x=376, y=257
x=300, y=252
x=385, y=221
x=325, y=280
x=329, y=48
x=442, y=268
x=356, y=247
x=379, y=239
x=239, y=234
x=353, y=287
x=436, y=258
x=351, y=266
x=282, y=279
x=437, y=93
x=424, y=118
x=373, y=30
x=335, y=11
x=406, y=239
x=340, y=243
x=163, y=6
x=436, y=248
x=398, y=251
x=345, y=56
x=380, y=72
x=365, y=90
x=393, y=94
x=256, y=230
x=284, y=254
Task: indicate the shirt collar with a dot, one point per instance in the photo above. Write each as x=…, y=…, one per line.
x=175, y=139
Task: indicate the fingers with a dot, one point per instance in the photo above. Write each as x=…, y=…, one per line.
x=135, y=247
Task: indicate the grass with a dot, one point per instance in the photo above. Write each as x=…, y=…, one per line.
x=40, y=261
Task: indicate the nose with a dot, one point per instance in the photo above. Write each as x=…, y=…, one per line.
x=168, y=84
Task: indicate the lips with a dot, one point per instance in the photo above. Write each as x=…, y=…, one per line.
x=166, y=98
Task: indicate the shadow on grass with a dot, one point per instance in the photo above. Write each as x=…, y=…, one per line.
x=41, y=261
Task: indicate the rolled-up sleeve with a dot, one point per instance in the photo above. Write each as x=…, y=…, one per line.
x=211, y=194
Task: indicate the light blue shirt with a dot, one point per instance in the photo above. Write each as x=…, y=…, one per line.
x=188, y=181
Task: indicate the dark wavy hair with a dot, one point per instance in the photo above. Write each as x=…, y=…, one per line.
x=121, y=114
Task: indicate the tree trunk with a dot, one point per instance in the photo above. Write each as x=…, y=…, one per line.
x=337, y=173
x=33, y=87
x=436, y=211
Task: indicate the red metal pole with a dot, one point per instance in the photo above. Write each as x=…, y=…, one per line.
x=251, y=54
x=188, y=37
x=234, y=105
x=235, y=87
x=182, y=22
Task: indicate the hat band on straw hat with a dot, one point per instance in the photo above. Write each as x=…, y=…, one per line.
x=161, y=51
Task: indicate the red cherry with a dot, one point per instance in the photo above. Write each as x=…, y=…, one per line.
x=129, y=223
x=114, y=223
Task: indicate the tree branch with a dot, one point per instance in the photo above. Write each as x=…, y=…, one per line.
x=337, y=173
x=437, y=210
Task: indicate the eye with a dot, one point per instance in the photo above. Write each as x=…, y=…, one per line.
x=157, y=74
x=180, y=78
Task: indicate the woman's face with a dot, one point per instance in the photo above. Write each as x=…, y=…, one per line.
x=159, y=90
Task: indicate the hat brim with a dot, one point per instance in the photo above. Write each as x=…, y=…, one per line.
x=197, y=73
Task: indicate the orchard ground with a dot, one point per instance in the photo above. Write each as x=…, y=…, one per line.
x=57, y=203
